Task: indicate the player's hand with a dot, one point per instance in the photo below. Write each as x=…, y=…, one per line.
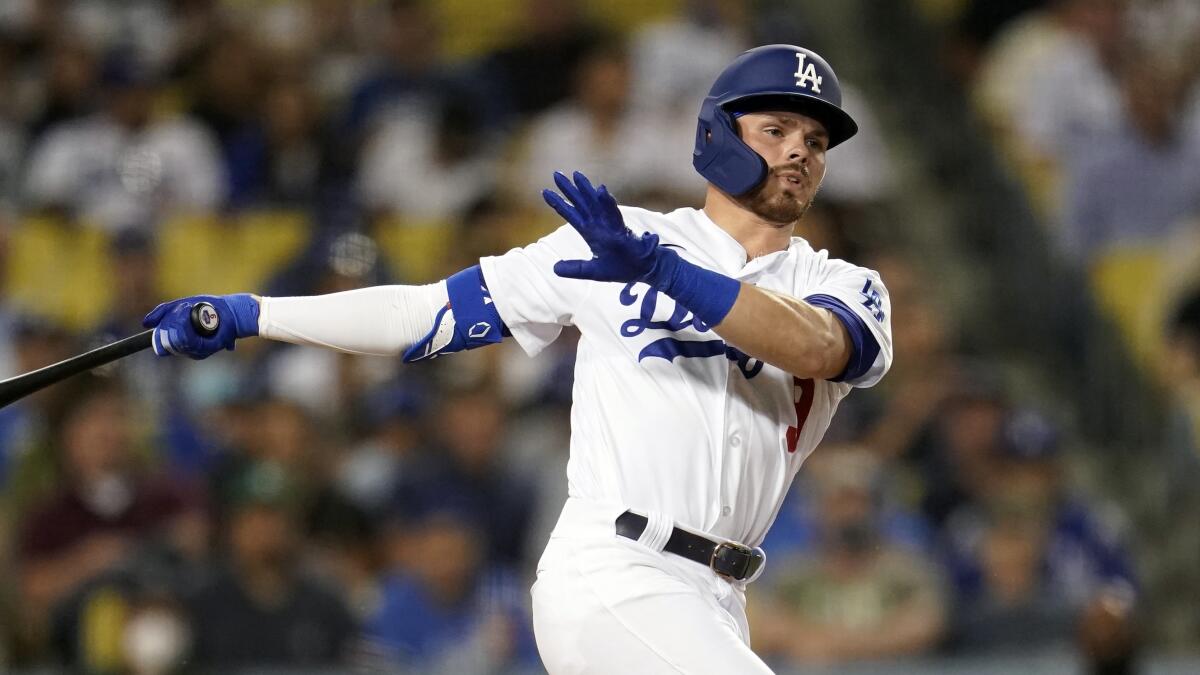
x=174, y=333
x=617, y=253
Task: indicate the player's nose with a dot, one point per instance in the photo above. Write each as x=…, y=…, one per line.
x=799, y=151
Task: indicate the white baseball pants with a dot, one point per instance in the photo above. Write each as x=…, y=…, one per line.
x=604, y=604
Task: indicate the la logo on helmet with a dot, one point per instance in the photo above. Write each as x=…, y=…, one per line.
x=806, y=75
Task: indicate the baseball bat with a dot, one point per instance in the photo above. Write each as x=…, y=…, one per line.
x=204, y=320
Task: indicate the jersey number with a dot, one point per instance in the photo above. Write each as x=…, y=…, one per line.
x=802, y=393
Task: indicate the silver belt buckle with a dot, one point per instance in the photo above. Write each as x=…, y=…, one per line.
x=734, y=546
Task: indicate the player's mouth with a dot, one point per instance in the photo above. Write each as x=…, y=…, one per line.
x=791, y=178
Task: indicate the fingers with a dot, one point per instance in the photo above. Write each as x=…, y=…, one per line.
x=565, y=210
x=580, y=201
x=601, y=205
x=608, y=205
x=575, y=269
x=156, y=315
x=174, y=333
x=649, y=241
x=591, y=196
x=585, y=186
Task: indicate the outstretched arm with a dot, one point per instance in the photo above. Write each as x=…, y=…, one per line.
x=799, y=337
x=419, y=321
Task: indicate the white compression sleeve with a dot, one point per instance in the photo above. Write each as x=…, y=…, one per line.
x=382, y=320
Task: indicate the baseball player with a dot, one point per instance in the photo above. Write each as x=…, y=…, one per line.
x=715, y=347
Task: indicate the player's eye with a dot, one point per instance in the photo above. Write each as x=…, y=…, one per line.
x=816, y=143
x=774, y=131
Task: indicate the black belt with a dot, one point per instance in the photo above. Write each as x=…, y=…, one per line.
x=726, y=558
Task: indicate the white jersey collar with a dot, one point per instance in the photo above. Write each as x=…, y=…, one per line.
x=729, y=253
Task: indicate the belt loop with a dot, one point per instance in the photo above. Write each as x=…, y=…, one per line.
x=657, y=532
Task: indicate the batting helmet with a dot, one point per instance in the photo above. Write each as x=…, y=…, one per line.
x=777, y=77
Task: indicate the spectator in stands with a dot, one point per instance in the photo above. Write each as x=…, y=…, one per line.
x=329, y=35
x=466, y=469
x=408, y=74
x=1013, y=606
x=446, y=610
x=675, y=59
x=109, y=508
x=277, y=159
x=261, y=609
x=496, y=223
x=226, y=78
x=538, y=70
x=1032, y=547
x=129, y=618
x=598, y=130
x=281, y=433
x=1141, y=183
x=857, y=596
x=798, y=528
x=1179, y=371
x=956, y=459
x=456, y=149
x=123, y=167
x=1002, y=53
x=133, y=262
x=12, y=134
x=67, y=88
x=27, y=465
x=342, y=548
x=194, y=25
x=977, y=25
x=1048, y=88
x=374, y=469
x=898, y=418
x=1074, y=100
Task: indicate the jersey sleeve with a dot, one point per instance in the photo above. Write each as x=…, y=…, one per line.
x=857, y=296
x=533, y=301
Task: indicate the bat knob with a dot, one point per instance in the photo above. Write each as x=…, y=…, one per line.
x=205, y=319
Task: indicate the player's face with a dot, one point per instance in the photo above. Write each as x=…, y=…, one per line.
x=793, y=147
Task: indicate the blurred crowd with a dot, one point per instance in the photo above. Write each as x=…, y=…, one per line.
x=295, y=507
x=1095, y=107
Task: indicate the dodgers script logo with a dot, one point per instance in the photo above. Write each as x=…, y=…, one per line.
x=806, y=74
x=669, y=348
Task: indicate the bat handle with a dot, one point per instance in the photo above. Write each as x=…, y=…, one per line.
x=205, y=319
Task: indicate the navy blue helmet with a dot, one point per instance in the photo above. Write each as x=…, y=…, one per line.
x=774, y=77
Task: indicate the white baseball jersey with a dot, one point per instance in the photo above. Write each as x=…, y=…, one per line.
x=666, y=417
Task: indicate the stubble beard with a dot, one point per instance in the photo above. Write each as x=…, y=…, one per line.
x=776, y=207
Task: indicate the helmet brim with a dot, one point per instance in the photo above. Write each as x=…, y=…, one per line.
x=838, y=124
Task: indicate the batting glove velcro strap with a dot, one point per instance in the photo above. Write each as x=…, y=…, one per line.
x=160, y=342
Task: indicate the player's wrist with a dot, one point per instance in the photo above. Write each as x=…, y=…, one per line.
x=707, y=294
x=245, y=310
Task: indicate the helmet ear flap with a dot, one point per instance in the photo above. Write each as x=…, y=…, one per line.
x=724, y=159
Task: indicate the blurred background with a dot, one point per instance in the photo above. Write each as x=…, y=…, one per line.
x=1016, y=496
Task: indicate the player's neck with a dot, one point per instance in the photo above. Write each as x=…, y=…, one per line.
x=757, y=236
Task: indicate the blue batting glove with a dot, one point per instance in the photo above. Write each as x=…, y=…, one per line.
x=620, y=255
x=617, y=253
x=174, y=333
